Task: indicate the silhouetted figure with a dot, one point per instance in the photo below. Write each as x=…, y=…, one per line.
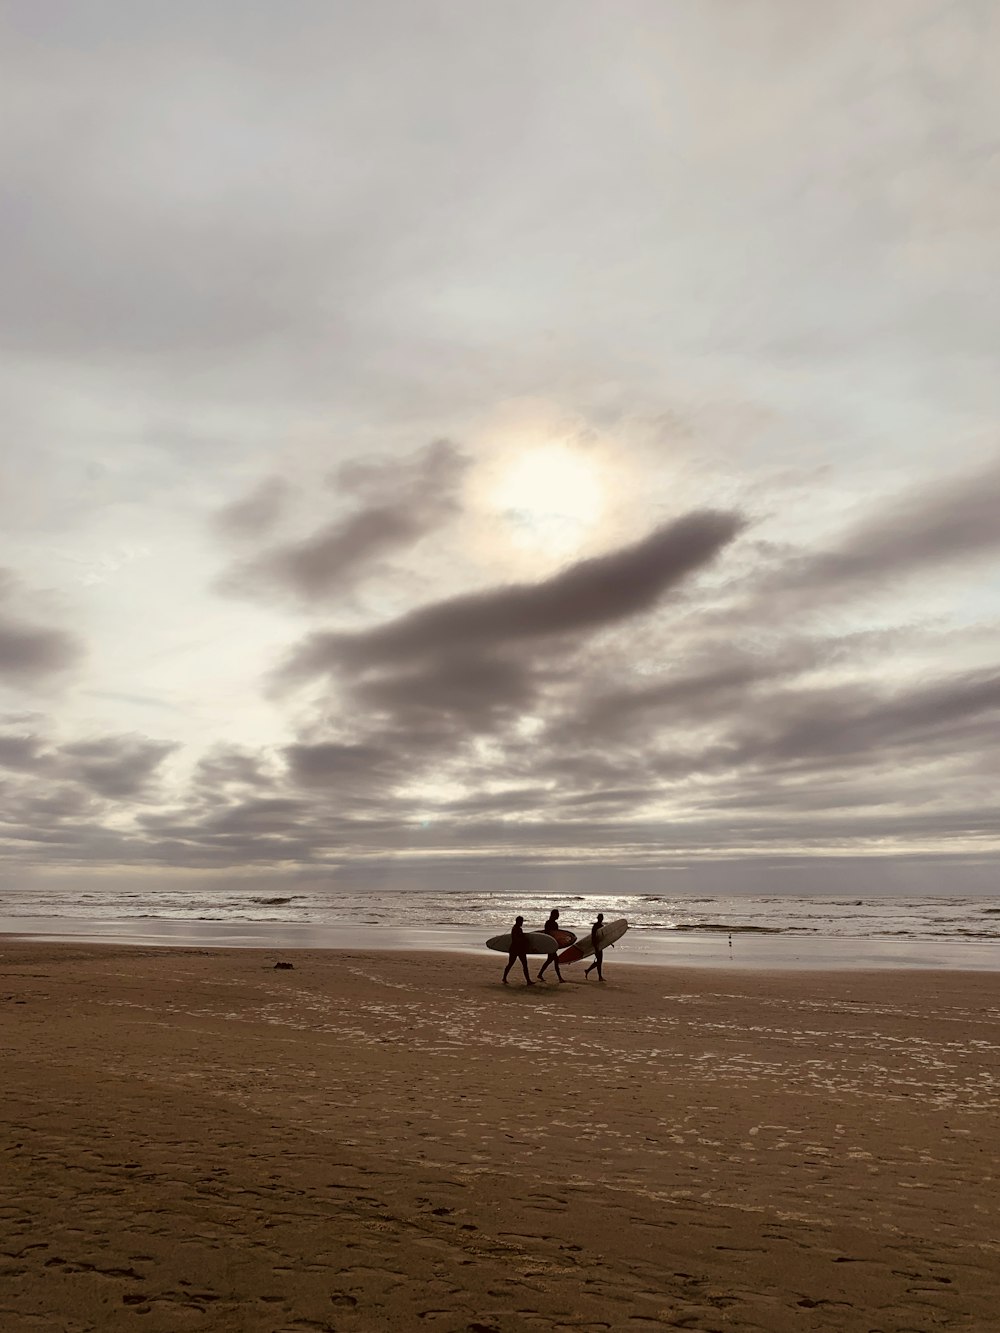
x=550, y=928
x=518, y=950
x=598, y=953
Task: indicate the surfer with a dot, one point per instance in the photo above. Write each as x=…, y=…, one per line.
x=518, y=949
x=598, y=953
x=551, y=927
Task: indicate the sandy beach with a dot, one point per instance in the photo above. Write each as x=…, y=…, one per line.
x=193, y=1140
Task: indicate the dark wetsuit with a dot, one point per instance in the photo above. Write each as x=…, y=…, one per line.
x=550, y=928
x=518, y=950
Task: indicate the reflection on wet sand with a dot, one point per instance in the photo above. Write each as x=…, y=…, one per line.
x=652, y=948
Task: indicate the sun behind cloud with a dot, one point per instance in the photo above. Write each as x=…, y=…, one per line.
x=549, y=496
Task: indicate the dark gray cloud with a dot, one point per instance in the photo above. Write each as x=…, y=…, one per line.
x=712, y=674
x=479, y=691
x=297, y=827
x=50, y=813
x=254, y=514
x=55, y=800
x=864, y=723
x=227, y=766
x=587, y=596
x=931, y=526
x=427, y=477
x=418, y=692
x=395, y=726
x=113, y=767
x=408, y=498
x=28, y=650
x=345, y=766
x=21, y=752
x=954, y=518
x=778, y=733
x=265, y=817
x=642, y=707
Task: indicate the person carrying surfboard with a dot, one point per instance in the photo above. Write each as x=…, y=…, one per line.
x=551, y=927
x=598, y=953
x=518, y=949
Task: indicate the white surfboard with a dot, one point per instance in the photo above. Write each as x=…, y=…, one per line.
x=606, y=936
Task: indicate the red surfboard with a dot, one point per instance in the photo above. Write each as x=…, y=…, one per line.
x=562, y=937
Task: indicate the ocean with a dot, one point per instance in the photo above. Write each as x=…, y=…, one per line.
x=779, y=931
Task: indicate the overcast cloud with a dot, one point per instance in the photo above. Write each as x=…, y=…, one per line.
x=461, y=440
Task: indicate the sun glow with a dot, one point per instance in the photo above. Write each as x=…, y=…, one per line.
x=550, y=496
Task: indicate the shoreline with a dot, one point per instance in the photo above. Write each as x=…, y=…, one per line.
x=747, y=951
x=690, y=977
x=482, y=971
x=383, y=1140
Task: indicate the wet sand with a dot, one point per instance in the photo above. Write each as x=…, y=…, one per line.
x=192, y=1140
x=657, y=948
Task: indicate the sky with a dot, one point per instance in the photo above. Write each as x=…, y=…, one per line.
x=458, y=445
